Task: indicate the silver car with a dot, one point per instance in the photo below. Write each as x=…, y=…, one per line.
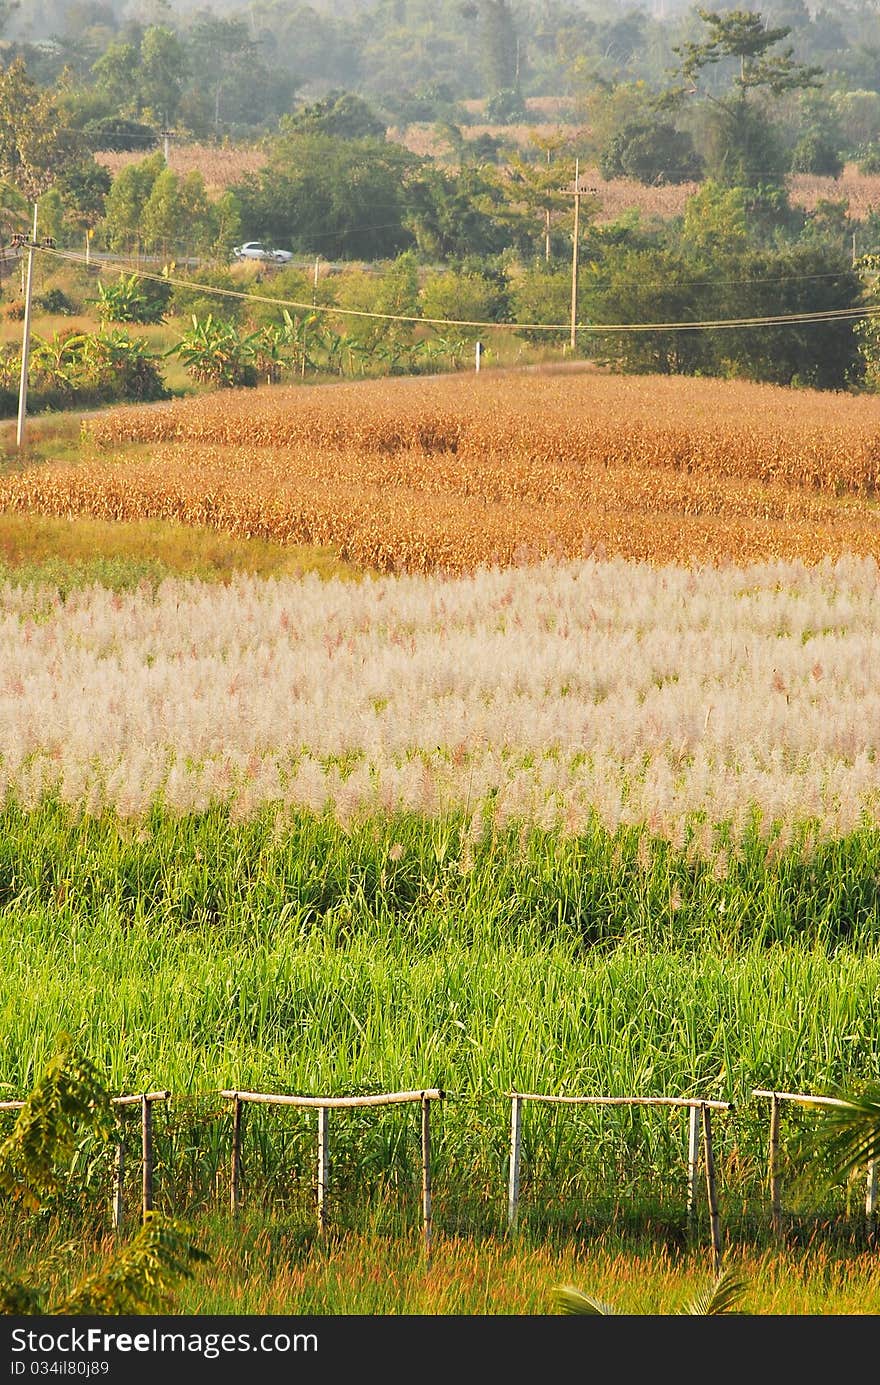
x=256, y=250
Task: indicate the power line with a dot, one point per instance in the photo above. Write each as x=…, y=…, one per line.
x=718, y=324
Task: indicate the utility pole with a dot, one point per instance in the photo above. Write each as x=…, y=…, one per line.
x=574, y=253
x=166, y=146
x=26, y=337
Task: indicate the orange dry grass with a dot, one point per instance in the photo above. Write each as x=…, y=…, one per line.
x=461, y=471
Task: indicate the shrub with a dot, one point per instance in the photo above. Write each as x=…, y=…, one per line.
x=814, y=153
x=56, y=301
x=651, y=154
x=505, y=107
x=115, y=133
x=868, y=158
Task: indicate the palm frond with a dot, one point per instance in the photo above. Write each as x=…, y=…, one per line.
x=849, y=1135
x=719, y=1297
x=570, y=1300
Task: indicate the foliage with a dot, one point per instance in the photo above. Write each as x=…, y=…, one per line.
x=35, y=146
x=463, y=297
x=868, y=158
x=846, y=1138
x=195, y=298
x=721, y=1296
x=320, y=194
x=69, y=1100
x=743, y=148
x=117, y=132
x=127, y=198
x=83, y=368
x=340, y=114
x=215, y=353
x=505, y=107
x=133, y=299
x=55, y=301
x=178, y=212
x=815, y=153
x=651, y=153
x=68, y=1096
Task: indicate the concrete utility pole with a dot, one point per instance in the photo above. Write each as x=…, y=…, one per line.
x=166, y=145
x=26, y=337
x=574, y=253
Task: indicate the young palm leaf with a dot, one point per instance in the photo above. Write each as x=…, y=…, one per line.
x=570, y=1300
x=719, y=1297
x=848, y=1135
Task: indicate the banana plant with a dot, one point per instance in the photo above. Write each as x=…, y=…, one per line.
x=59, y=359
x=214, y=352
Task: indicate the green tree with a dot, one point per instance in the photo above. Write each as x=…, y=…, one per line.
x=455, y=215
x=500, y=48
x=35, y=146
x=178, y=212
x=227, y=58
x=83, y=188
x=127, y=198
x=340, y=113
x=541, y=186
x=70, y=1102
x=454, y=296
x=742, y=150
x=395, y=291
x=344, y=199
x=162, y=73
x=652, y=153
x=715, y=223
x=116, y=75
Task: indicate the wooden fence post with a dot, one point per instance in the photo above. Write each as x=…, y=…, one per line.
x=426, y=1172
x=236, y=1154
x=693, y=1165
x=323, y=1167
x=773, y=1167
x=119, y=1179
x=871, y=1198
x=146, y=1155
x=515, y=1149
x=710, y=1188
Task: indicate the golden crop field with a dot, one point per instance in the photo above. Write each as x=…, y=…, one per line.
x=461, y=471
x=223, y=165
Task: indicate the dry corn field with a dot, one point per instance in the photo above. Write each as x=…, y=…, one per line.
x=458, y=472
x=222, y=166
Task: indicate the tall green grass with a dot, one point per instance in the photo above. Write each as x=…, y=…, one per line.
x=197, y=954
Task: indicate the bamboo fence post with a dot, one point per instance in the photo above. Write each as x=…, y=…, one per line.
x=515, y=1151
x=323, y=1165
x=146, y=1155
x=773, y=1167
x=118, y=1179
x=710, y=1187
x=426, y=1172
x=235, y=1179
x=871, y=1198
x=693, y=1165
